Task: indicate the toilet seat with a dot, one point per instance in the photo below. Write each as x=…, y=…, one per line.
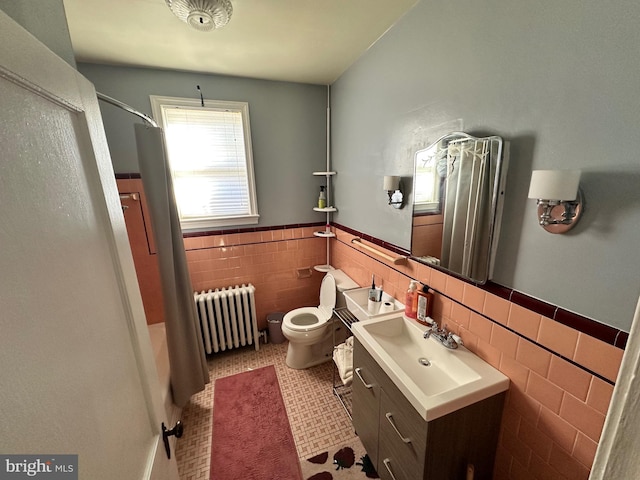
x=308, y=319
x=305, y=319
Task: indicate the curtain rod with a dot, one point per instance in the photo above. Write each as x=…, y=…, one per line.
x=124, y=106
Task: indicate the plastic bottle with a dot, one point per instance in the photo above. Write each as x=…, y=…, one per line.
x=372, y=290
x=424, y=305
x=411, y=300
x=322, y=199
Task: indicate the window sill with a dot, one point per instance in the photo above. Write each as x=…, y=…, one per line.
x=200, y=224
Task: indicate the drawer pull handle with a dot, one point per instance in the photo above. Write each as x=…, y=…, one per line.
x=390, y=418
x=386, y=462
x=366, y=385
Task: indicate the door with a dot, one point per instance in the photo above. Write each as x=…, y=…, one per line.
x=76, y=369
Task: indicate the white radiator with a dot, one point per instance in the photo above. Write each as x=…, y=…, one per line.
x=227, y=318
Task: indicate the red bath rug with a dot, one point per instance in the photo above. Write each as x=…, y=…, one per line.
x=252, y=438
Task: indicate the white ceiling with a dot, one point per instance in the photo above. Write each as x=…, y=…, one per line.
x=308, y=41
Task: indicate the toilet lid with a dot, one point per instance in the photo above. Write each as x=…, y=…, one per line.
x=328, y=293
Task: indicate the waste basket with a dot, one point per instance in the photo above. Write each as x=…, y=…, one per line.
x=274, y=322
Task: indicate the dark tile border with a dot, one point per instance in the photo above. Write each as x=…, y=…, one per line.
x=588, y=326
x=497, y=290
x=128, y=176
x=621, y=340
x=209, y=233
x=534, y=304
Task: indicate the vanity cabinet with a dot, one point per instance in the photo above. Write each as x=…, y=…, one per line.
x=403, y=446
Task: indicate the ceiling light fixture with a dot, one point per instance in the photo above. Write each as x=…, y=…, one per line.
x=203, y=15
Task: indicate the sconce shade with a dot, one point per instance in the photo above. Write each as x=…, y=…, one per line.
x=391, y=183
x=554, y=184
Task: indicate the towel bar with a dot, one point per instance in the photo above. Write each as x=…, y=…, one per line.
x=394, y=260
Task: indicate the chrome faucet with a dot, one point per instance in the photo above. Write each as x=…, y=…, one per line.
x=445, y=337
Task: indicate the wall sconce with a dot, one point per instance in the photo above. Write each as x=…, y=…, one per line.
x=392, y=186
x=560, y=200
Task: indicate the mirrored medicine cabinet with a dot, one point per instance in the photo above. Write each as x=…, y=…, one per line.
x=458, y=194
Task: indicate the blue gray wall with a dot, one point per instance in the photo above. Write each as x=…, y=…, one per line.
x=559, y=81
x=45, y=20
x=288, y=129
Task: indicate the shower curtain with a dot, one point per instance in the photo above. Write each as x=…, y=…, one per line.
x=189, y=372
x=469, y=192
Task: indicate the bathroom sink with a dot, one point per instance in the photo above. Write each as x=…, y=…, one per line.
x=358, y=304
x=435, y=379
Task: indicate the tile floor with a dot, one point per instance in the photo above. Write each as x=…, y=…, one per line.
x=318, y=420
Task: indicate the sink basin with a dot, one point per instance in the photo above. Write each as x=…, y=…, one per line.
x=358, y=299
x=435, y=379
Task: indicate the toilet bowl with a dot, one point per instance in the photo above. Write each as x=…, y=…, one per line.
x=310, y=330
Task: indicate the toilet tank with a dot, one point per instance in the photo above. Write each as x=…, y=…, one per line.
x=343, y=282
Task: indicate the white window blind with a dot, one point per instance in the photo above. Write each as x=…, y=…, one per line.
x=210, y=159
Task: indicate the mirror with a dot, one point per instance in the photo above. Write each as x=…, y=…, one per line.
x=457, y=204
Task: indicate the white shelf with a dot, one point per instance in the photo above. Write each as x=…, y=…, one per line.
x=324, y=234
x=323, y=268
x=326, y=209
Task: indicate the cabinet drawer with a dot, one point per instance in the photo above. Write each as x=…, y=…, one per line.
x=366, y=400
x=403, y=437
x=363, y=360
x=390, y=470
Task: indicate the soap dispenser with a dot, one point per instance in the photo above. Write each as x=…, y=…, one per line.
x=411, y=300
x=322, y=199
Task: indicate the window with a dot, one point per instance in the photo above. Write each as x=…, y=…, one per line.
x=427, y=181
x=210, y=157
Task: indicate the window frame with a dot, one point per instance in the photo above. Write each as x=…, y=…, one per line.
x=202, y=223
x=433, y=206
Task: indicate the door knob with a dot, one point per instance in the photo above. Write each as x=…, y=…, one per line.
x=177, y=430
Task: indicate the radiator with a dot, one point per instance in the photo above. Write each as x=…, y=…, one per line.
x=227, y=318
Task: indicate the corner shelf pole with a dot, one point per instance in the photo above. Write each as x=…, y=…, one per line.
x=328, y=174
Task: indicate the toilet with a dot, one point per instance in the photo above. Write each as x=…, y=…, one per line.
x=310, y=330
